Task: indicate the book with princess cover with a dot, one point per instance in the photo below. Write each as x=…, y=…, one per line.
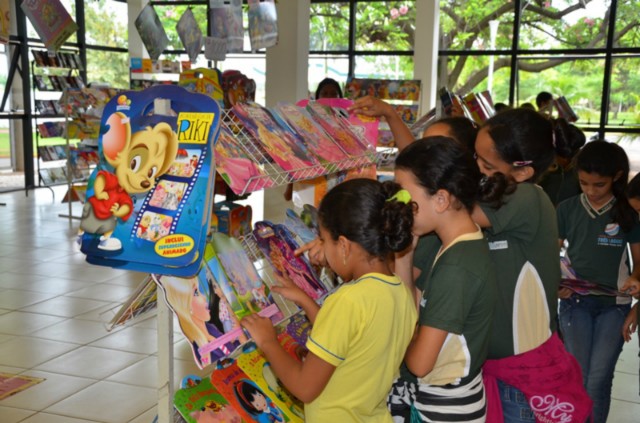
x=278, y=245
x=205, y=316
x=150, y=197
x=279, y=143
x=198, y=401
x=237, y=167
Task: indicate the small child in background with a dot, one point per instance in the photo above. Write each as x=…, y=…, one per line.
x=600, y=227
x=361, y=333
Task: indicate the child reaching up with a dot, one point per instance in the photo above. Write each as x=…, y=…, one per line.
x=361, y=333
x=601, y=228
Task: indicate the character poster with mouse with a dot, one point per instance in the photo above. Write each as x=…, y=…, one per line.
x=149, y=200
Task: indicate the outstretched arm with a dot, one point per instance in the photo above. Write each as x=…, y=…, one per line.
x=371, y=106
x=304, y=380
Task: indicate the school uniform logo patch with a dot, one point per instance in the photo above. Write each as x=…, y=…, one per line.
x=612, y=229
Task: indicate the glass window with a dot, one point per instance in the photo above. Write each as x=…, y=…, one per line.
x=578, y=80
x=320, y=67
x=384, y=67
x=112, y=35
x=466, y=74
x=624, y=101
x=562, y=24
x=108, y=67
x=329, y=27
x=627, y=29
x=467, y=25
x=385, y=25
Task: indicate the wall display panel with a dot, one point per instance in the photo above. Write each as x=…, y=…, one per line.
x=467, y=25
x=624, y=102
x=329, y=27
x=384, y=67
x=579, y=80
x=97, y=33
x=465, y=74
x=385, y=25
x=108, y=67
x=564, y=24
x=320, y=67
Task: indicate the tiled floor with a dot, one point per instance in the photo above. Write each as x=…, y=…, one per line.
x=53, y=310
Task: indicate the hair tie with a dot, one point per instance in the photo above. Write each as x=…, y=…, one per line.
x=401, y=196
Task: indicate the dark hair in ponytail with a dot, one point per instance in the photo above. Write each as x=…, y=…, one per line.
x=443, y=163
x=460, y=128
x=522, y=135
x=610, y=160
x=360, y=210
x=633, y=188
x=569, y=138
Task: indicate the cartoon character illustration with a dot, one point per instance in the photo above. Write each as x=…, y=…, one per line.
x=144, y=226
x=280, y=391
x=256, y=403
x=137, y=160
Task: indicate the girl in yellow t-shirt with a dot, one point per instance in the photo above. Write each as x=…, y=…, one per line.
x=361, y=333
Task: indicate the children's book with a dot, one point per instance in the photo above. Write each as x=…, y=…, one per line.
x=564, y=109
x=190, y=34
x=51, y=21
x=280, y=144
x=226, y=19
x=244, y=288
x=338, y=128
x=237, y=87
x=254, y=364
x=151, y=32
x=204, y=81
x=246, y=397
x=198, y=401
x=204, y=314
x=143, y=299
x=263, y=24
x=237, y=167
x=277, y=245
x=420, y=125
x=301, y=122
x=299, y=228
x=215, y=48
x=150, y=197
x=387, y=89
x=580, y=286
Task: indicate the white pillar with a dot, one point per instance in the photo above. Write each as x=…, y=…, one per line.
x=136, y=48
x=425, y=56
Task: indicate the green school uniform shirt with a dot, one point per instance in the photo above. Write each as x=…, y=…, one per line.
x=459, y=297
x=597, y=246
x=523, y=240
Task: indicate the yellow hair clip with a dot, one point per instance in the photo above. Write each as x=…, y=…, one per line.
x=401, y=196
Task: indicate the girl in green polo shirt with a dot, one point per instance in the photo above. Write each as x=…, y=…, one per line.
x=601, y=228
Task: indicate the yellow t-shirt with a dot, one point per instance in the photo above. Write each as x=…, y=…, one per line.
x=363, y=329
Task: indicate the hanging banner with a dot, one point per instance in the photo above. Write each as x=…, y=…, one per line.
x=51, y=21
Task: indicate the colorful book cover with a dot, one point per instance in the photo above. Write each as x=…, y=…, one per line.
x=277, y=246
x=151, y=32
x=251, y=402
x=244, y=284
x=280, y=144
x=298, y=227
x=150, y=198
x=143, y=299
x=190, y=34
x=226, y=19
x=204, y=315
x=239, y=170
x=571, y=281
x=51, y=21
x=202, y=80
x=386, y=89
x=238, y=88
x=301, y=122
x=298, y=328
x=253, y=362
x=420, y=125
x=215, y=48
x=198, y=401
x=338, y=128
x=263, y=24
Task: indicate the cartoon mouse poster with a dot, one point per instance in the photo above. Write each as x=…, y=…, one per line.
x=150, y=197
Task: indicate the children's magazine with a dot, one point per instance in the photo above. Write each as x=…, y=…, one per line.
x=150, y=197
x=263, y=24
x=151, y=32
x=198, y=400
x=190, y=34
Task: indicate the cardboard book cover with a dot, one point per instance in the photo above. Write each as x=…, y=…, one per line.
x=571, y=281
x=151, y=32
x=237, y=167
x=190, y=34
x=278, y=245
x=263, y=24
x=253, y=362
x=51, y=21
x=150, y=197
x=246, y=397
x=226, y=18
x=280, y=144
x=204, y=81
x=198, y=401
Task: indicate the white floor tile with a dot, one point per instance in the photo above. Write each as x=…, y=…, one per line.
x=624, y=412
x=16, y=298
x=27, y=352
x=73, y=330
x=147, y=416
x=65, y=306
x=90, y=362
x=54, y=418
x=103, y=292
x=56, y=286
x=132, y=339
x=54, y=388
x=145, y=372
x=14, y=415
x=107, y=401
x=20, y=323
